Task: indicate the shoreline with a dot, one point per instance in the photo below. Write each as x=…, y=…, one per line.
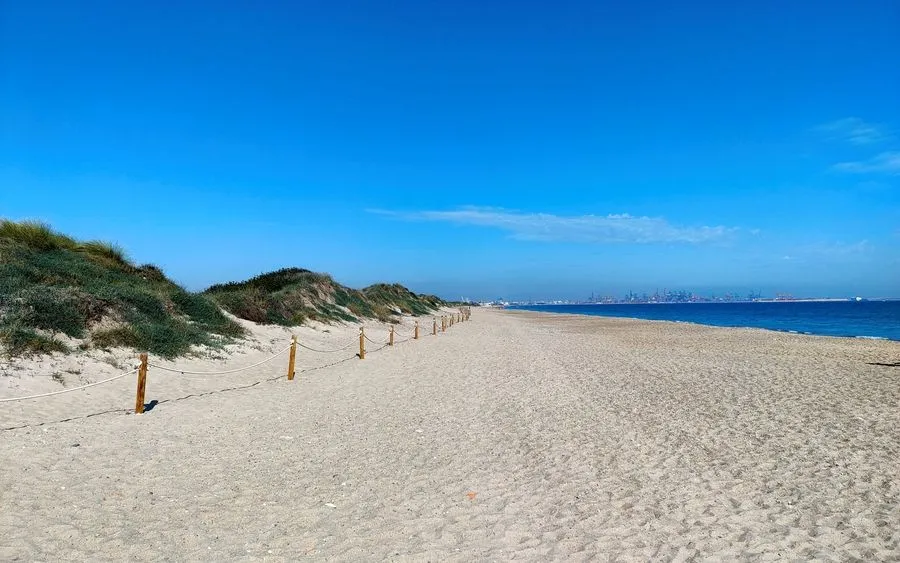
x=804, y=300
x=781, y=331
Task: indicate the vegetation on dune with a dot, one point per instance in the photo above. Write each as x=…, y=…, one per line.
x=51, y=284
x=397, y=296
x=292, y=296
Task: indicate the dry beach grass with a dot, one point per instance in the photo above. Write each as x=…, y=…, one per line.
x=513, y=436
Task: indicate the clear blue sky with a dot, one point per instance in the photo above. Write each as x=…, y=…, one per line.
x=486, y=149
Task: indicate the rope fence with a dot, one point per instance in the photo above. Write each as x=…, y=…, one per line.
x=370, y=340
x=311, y=349
x=236, y=370
x=60, y=392
x=142, y=369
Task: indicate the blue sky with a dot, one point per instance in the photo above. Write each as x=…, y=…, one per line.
x=486, y=149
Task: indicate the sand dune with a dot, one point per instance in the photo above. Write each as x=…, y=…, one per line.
x=512, y=436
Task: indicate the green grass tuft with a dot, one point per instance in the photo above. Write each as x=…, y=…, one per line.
x=56, y=309
x=36, y=235
x=112, y=254
x=121, y=336
x=20, y=341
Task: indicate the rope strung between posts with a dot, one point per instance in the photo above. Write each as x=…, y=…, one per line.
x=370, y=340
x=121, y=375
x=377, y=343
x=405, y=337
x=352, y=343
x=36, y=375
x=380, y=348
x=186, y=372
x=255, y=383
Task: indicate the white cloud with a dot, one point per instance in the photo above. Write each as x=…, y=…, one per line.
x=854, y=130
x=886, y=162
x=614, y=228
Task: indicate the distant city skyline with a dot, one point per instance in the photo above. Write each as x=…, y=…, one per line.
x=676, y=297
x=673, y=297
x=524, y=150
x=701, y=293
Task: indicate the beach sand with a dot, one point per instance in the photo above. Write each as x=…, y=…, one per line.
x=513, y=436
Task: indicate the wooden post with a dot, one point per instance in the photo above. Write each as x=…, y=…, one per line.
x=434, y=327
x=291, y=358
x=362, y=343
x=141, y=385
x=416, y=334
x=443, y=323
x=391, y=341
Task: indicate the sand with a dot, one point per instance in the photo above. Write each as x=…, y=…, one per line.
x=512, y=436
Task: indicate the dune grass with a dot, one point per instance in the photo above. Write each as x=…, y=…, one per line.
x=35, y=234
x=51, y=284
x=396, y=296
x=292, y=296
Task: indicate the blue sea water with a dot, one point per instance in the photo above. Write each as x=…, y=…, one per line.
x=862, y=319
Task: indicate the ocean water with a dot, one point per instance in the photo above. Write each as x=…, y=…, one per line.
x=861, y=319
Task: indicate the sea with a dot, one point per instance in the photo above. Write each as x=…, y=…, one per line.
x=858, y=319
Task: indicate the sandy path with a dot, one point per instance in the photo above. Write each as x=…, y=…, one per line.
x=513, y=436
